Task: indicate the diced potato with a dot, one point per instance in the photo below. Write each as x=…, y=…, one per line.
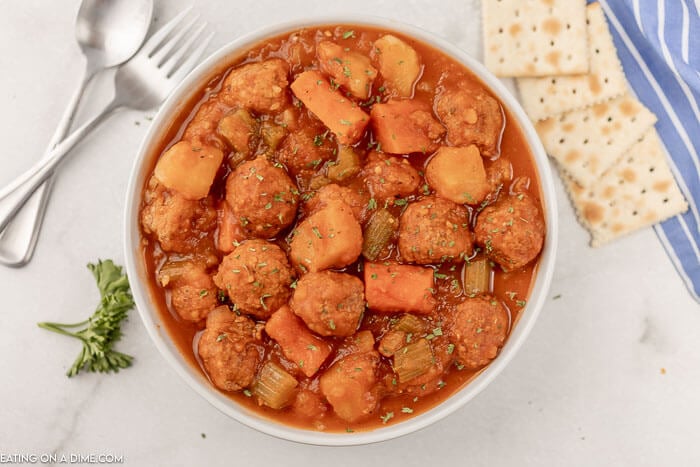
x=392, y=287
x=298, y=344
x=341, y=115
x=398, y=64
x=189, y=168
x=352, y=70
x=405, y=126
x=458, y=174
x=349, y=385
x=238, y=128
x=230, y=232
x=329, y=238
x=347, y=164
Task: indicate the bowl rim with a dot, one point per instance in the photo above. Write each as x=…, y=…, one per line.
x=200, y=384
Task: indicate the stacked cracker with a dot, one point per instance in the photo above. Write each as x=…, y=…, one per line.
x=573, y=87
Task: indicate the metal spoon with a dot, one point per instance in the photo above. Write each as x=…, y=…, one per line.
x=109, y=32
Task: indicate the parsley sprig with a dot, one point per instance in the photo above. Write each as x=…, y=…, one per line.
x=103, y=328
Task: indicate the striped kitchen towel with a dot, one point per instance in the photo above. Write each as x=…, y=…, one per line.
x=658, y=43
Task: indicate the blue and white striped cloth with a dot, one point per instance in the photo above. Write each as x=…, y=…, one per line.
x=658, y=43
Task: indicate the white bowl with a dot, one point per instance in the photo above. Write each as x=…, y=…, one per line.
x=194, y=377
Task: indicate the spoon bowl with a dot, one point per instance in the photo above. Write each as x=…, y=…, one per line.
x=108, y=32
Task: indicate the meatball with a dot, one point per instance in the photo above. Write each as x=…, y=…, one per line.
x=330, y=303
x=389, y=177
x=511, y=231
x=192, y=290
x=350, y=385
x=303, y=152
x=262, y=197
x=355, y=199
x=498, y=172
x=230, y=349
x=202, y=128
x=177, y=223
x=257, y=277
x=434, y=230
x=260, y=87
x=329, y=238
x=477, y=328
x=471, y=116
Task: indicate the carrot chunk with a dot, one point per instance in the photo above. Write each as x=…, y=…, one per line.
x=341, y=115
x=298, y=344
x=405, y=126
x=394, y=287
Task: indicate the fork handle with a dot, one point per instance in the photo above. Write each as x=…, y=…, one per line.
x=14, y=195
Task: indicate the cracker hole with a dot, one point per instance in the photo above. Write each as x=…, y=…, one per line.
x=634, y=213
x=634, y=119
x=551, y=43
x=501, y=60
x=561, y=141
x=541, y=100
x=517, y=45
x=609, y=143
x=535, y=59
x=500, y=30
x=651, y=169
x=586, y=118
x=568, y=26
x=554, y=81
x=665, y=200
x=517, y=13
x=534, y=28
x=597, y=51
x=573, y=91
x=610, y=119
x=644, y=190
x=569, y=57
x=585, y=141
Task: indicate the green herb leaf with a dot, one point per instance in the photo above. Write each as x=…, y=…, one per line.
x=103, y=328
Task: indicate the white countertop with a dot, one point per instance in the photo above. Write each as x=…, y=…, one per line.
x=587, y=388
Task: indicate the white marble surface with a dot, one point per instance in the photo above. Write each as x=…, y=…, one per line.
x=586, y=389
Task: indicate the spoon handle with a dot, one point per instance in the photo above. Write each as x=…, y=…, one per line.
x=19, y=237
x=14, y=195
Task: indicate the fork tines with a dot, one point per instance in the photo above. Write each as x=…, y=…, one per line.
x=172, y=48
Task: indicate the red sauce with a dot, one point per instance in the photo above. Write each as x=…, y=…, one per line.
x=439, y=70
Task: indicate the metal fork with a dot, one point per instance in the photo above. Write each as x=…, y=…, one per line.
x=142, y=83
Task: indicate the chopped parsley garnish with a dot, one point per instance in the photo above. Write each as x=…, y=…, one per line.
x=348, y=34
x=386, y=417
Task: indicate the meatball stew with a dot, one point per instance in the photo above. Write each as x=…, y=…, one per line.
x=341, y=228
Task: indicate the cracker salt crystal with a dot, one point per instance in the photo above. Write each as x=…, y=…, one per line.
x=548, y=96
x=587, y=142
x=535, y=37
x=638, y=191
